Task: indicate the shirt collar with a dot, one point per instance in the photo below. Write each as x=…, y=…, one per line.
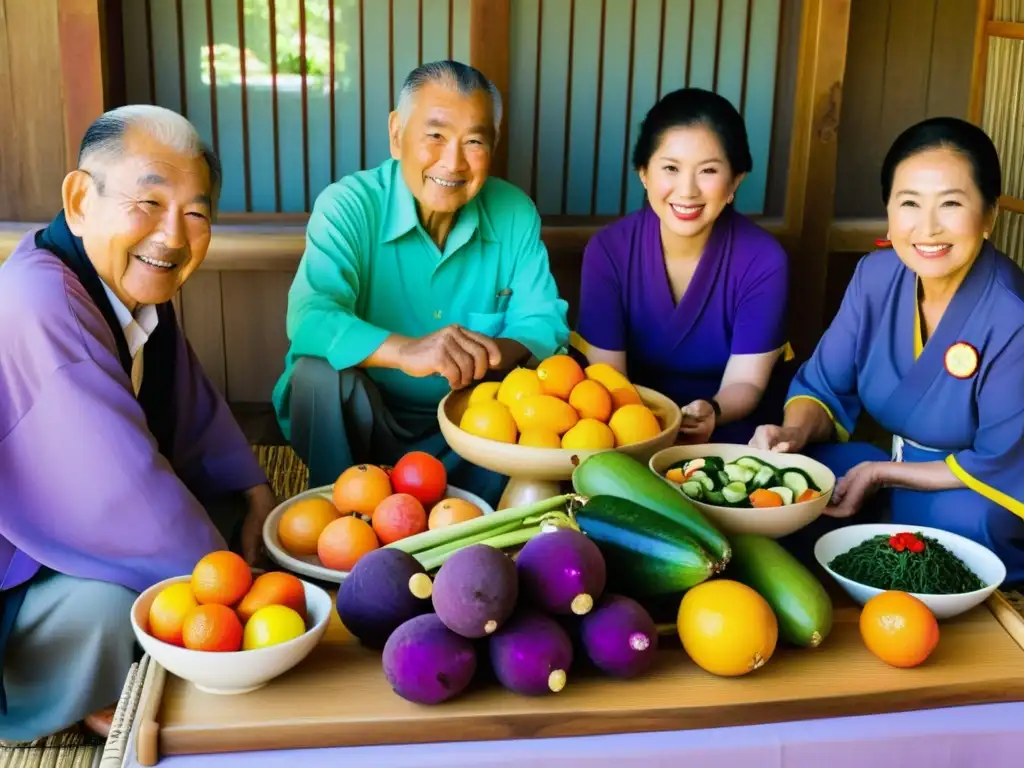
x=138, y=327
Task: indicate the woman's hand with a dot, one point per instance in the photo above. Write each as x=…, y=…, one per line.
x=854, y=489
x=261, y=502
x=770, y=437
x=698, y=422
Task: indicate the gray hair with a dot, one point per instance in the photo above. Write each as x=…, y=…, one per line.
x=106, y=135
x=451, y=74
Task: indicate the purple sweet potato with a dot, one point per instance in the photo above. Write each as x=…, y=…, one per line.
x=386, y=588
x=427, y=663
x=561, y=572
x=619, y=637
x=531, y=654
x=475, y=591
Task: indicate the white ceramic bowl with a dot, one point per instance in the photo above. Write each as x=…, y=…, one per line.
x=310, y=565
x=988, y=567
x=238, y=672
x=774, y=522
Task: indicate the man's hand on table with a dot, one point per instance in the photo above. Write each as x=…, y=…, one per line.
x=261, y=502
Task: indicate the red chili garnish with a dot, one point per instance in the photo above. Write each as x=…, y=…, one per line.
x=896, y=542
x=906, y=540
x=917, y=546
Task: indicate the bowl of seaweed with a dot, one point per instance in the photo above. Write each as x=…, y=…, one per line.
x=951, y=574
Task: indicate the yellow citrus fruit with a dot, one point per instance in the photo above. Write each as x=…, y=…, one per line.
x=727, y=628
x=605, y=374
x=622, y=397
x=168, y=610
x=490, y=419
x=517, y=384
x=899, y=628
x=272, y=625
x=540, y=438
x=544, y=412
x=481, y=393
x=633, y=424
x=591, y=400
x=558, y=374
x=589, y=435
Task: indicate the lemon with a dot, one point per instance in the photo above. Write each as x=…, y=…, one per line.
x=589, y=435
x=544, y=412
x=481, y=393
x=540, y=438
x=489, y=419
x=634, y=424
x=517, y=384
x=271, y=625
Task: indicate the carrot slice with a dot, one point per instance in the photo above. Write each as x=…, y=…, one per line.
x=765, y=498
x=807, y=495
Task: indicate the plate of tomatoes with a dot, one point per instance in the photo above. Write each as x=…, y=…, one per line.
x=323, y=532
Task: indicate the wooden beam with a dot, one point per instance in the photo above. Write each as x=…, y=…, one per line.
x=1013, y=30
x=856, y=235
x=810, y=196
x=1007, y=203
x=80, y=29
x=489, y=29
x=979, y=71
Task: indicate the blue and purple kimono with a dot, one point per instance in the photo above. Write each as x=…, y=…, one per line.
x=958, y=398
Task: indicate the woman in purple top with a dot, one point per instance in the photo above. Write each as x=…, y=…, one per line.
x=687, y=296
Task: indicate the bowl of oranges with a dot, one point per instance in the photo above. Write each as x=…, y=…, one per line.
x=536, y=425
x=323, y=532
x=227, y=629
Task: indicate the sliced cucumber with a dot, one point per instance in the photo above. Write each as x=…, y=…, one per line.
x=735, y=492
x=721, y=480
x=750, y=463
x=714, y=497
x=810, y=480
x=713, y=462
x=784, y=492
x=694, y=489
x=708, y=483
x=795, y=481
x=765, y=476
x=739, y=474
x=697, y=475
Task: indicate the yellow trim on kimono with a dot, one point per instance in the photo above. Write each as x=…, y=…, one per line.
x=787, y=352
x=918, y=337
x=580, y=344
x=841, y=434
x=990, y=493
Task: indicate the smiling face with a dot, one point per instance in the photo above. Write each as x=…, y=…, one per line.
x=937, y=217
x=689, y=181
x=144, y=217
x=444, y=147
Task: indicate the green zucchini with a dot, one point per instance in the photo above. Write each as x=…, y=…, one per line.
x=799, y=601
x=611, y=473
x=646, y=553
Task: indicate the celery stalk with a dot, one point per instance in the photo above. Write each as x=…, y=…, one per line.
x=462, y=543
x=421, y=542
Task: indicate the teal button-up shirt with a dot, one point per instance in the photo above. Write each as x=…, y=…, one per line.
x=370, y=269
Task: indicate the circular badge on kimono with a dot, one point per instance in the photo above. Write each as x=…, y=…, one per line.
x=961, y=360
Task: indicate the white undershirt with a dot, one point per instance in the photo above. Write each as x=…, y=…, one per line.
x=137, y=330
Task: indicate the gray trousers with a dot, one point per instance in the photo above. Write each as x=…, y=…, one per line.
x=339, y=418
x=72, y=645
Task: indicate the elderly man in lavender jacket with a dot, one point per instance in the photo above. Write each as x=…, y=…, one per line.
x=120, y=464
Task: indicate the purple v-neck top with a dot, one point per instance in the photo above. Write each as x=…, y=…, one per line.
x=735, y=305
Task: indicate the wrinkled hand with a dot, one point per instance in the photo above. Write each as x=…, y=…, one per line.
x=460, y=355
x=698, y=422
x=261, y=501
x=853, y=489
x=770, y=437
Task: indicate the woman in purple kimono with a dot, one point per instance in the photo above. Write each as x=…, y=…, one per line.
x=687, y=296
x=929, y=341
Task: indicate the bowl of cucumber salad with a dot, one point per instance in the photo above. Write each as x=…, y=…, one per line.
x=745, y=490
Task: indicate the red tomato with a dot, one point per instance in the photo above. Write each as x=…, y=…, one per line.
x=420, y=475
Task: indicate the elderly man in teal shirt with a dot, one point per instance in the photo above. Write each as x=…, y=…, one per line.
x=420, y=276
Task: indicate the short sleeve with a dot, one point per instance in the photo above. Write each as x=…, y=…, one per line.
x=601, y=321
x=760, y=324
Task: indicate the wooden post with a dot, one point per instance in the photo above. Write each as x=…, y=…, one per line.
x=489, y=22
x=979, y=71
x=80, y=32
x=810, y=193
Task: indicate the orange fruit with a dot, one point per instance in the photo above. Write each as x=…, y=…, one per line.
x=168, y=611
x=302, y=523
x=540, y=438
x=558, y=375
x=360, y=489
x=222, y=578
x=622, y=397
x=398, y=516
x=517, y=384
x=898, y=628
x=589, y=435
x=491, y=420
x=634, y=424
x=273, y=588
x=344, y=541
x=545, y=412
x=212, y=628
x=608, y=376
x=591, y=400
x=449, y=511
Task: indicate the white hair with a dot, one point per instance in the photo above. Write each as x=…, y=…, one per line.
x=460, y=77
x=106, y=134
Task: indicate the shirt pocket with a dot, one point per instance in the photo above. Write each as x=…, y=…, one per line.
x=486, y=323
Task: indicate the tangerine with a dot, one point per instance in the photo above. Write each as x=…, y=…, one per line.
x=344, y=541
x=622, y=397
x=360, y=489
x=398, y=516
x=221, y=577
x=899, y=628
x=300, y=526
x=591, y=400
x=168, y=610
x=450, y=511
x=212, y=628
x=558, y=375
x=273, y=588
